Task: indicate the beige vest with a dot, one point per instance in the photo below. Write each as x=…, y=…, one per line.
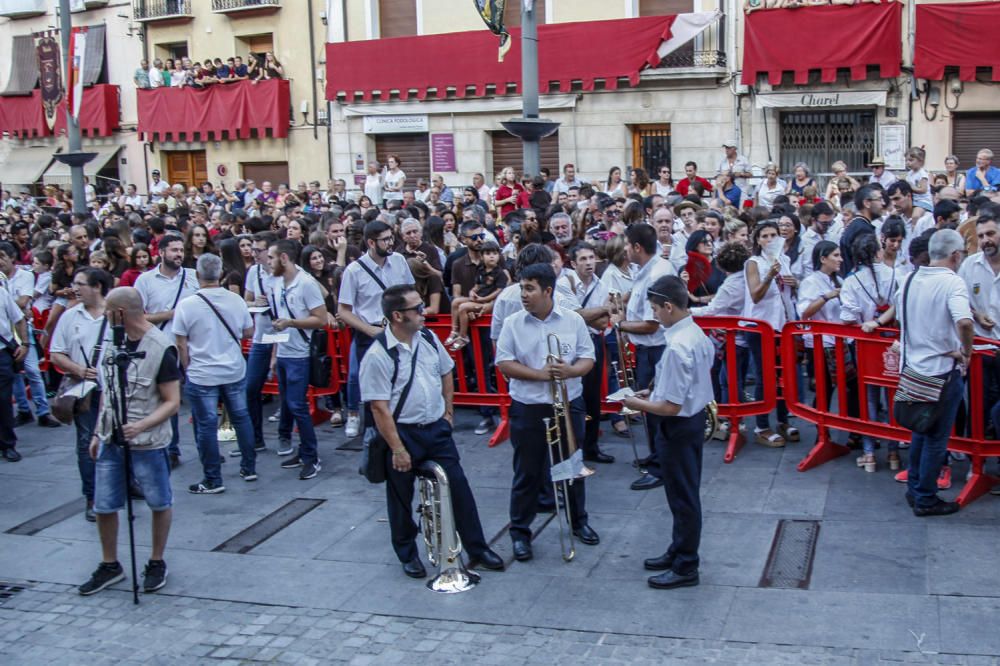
x=142, y=393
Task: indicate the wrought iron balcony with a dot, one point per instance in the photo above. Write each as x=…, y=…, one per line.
x=162, y=10
x=691, y=58
x=15, y=9
x=245, y=6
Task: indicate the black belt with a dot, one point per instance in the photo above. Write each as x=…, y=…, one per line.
x=419, y=426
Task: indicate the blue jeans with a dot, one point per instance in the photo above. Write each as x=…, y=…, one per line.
x=928, y=451
x=34, y=376
x=84, y=431
x=150, y=469
x=757, y=360
x=353, y=385
x=293, y=382
x=204, y=403
x=258, y=367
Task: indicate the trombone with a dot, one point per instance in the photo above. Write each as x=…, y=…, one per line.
x=567, y=467
x=623, y=368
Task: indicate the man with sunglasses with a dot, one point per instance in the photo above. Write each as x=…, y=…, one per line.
x=360, y=303
x=422, y=427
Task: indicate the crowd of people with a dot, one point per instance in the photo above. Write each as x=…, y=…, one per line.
x=181, y=72
x=192, y=273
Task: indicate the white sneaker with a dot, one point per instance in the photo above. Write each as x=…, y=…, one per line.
x=353, y=426
x=274, y=418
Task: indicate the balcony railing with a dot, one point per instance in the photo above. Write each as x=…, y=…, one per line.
x=15, y=9
x=250, y=6
x=692, y=58
x=706, y=53
x=158, y=10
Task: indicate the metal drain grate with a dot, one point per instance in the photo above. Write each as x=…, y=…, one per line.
x=789, y=564
x=268, y=526
x=8, y=590
x=48, y=519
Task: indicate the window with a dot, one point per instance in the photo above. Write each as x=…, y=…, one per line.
x=172, y=50
x=255, y=44
x=413, y=151
x=397, y=18
x=820, y=138
x=970, y=133
x=508, y=151
x=664, y=7
x=512, y=14
x=651, y=148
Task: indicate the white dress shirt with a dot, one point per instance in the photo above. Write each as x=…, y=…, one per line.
x=214, y=357
x=10, y=314
x=363, y=294
x=75, y=336
x=509, y=302
x=593, y=295
x=777, y=305
x=159, y=292
x=524, y=339
x=296, y=301
x=814, y=286
x=425, y=402
x=639, y=308
x=938, y=300
x=684, y=373
x=865, y=295
x=981, y=283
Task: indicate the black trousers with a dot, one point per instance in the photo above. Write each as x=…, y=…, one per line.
x=430, y=442
x=592, y=398
x=8, y=440
x=679, y=449
x=531, y=466
x=646, y=360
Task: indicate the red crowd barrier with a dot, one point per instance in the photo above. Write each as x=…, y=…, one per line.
x=338, y=347
x=876, y=365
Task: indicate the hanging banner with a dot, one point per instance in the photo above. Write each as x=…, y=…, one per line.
x=74, y=70
x=50, y=75
x=491, y=11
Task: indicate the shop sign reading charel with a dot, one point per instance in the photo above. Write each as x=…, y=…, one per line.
x=820, y=100
x=395, y=124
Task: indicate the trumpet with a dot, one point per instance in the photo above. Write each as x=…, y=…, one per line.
x=437, y=523
x=623, y=368
x=562, y=465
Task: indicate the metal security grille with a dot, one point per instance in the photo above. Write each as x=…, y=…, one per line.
x=651, y=147
x=820, y=138
x=790, y=562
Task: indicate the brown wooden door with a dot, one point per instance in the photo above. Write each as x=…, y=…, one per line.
x=508, y=152
x=275, y=173
x=413, y=152
x=186, y=167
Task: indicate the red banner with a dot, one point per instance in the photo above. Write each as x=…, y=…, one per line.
x=24, y=117
x=957, y=35
x=824, y=39
x=50, y=76
x=221, y=111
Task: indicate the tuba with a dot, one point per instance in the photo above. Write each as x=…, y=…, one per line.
x=565, y=467
x=711, y=419
x=226, y=432
x=437, y=523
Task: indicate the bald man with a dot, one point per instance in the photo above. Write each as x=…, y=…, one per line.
x=147, y=431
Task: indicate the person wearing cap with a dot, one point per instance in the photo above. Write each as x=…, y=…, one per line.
x=879, y=174
x=158, y=189
x=734, y=163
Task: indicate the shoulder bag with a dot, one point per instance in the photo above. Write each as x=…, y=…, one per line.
x=320, y=363
x=64, y=407
x=917, y=404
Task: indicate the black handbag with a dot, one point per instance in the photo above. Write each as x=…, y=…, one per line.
x=373, y=455
x=917, y=404
x=320, y=363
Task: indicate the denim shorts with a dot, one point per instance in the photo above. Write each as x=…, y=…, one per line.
x=150, y=468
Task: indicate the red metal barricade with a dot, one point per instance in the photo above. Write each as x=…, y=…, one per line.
x=727, y=329
x=869, y=361
x=339, y=353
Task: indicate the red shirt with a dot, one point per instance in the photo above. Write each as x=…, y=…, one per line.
x=505, y=192
x=684, y=185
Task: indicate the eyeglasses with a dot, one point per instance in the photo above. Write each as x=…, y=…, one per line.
x=419, y=309
x=386, y=239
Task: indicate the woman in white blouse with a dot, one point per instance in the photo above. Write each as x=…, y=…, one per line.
x=770, y=297
x=770, y=188
x=617, y=278
x=867, y=293
x=819, y=300
x=790, y=228
x=393, y=179
x=615, y=187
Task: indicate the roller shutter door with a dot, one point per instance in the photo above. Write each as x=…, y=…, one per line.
x=507, y=151
x=970, y=133
x=413, y=153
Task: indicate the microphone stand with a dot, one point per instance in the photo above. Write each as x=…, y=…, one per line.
x=119, y=397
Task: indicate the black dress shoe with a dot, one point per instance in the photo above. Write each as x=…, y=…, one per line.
x=23, y=418
x=647, y=482
x=647, y=461
x=10, y=455
x=587, y=535
x=940, y=508
x=670, y=579
x=47, y=421
x=89, y=514
x=414, y=568
x=661, y=563
x=175, y=461
x=487, y=560
x=599, y=457
x=522, y=551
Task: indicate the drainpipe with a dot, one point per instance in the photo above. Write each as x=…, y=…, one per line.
x=312, y=70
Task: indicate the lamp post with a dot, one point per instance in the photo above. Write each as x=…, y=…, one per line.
x=529, y=127
x=75, y=158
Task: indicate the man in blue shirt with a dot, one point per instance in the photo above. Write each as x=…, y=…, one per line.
x=983, y=177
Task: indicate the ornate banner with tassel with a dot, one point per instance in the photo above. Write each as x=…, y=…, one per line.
x=491, y=12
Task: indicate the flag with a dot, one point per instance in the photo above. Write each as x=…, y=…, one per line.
x=49, y=75
x=491, y=11
x=74, y=70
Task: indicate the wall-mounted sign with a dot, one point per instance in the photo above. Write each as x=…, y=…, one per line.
x=443, y=152
x=826, y=99
x=892, y=146
x=395, y=124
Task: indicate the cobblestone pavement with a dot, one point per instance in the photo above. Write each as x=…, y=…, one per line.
x=47, y=624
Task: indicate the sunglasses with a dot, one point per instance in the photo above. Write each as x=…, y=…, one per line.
x=419, y=309
x=479, y=236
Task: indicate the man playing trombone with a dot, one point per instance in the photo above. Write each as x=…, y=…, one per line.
x=405, y=358
x=532, y=366
x=681, y=392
